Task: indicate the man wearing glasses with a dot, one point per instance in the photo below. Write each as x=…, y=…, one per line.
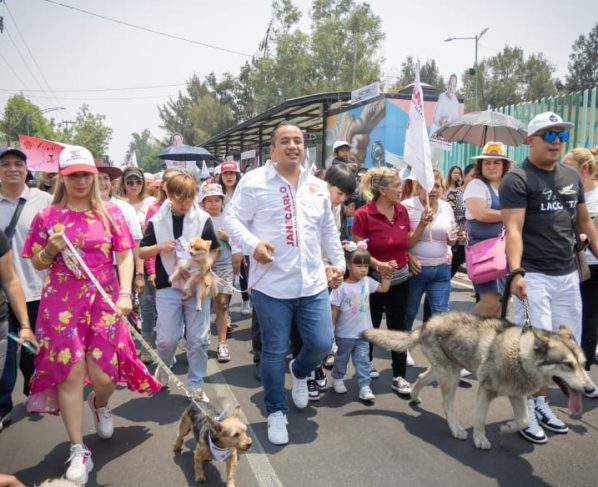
x=542, y=200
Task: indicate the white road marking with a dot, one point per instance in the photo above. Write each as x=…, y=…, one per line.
x=257, y=457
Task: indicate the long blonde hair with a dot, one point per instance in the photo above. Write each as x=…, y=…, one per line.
x=96, y=204
x=374, y=179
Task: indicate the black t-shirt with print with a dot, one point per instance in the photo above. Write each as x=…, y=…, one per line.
x=4, y=248
x=550, y=199
x=149, y=238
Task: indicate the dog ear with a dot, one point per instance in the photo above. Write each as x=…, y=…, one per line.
x=565, y=332
x=236, y=412
x=215, y=426
x=540, y=343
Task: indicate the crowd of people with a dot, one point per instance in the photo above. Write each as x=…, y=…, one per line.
x=319, y=261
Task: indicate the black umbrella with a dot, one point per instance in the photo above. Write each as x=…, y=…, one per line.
x=185, y=153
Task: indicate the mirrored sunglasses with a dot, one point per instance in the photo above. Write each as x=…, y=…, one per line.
x=133, y=182
x=550, y=136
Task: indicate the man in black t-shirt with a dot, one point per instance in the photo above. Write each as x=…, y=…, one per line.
x=541, y=201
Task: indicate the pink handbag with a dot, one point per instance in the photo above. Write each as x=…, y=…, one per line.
x=487, y=260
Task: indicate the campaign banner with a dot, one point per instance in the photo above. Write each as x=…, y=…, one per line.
x=42, y=155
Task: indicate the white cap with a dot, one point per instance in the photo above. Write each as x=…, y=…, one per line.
x=340, y=143
x=74, y=158
x=149, y=177
x=547, y=120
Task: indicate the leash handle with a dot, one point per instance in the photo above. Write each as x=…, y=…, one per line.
x=134, y=332
x=507, y=295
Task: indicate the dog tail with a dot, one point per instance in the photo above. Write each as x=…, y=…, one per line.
x=397, y=341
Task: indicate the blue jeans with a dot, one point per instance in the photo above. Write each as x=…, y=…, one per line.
x=359, y=351
x=8, y=367
x=176, y=316
x=314, y=323
x=147, y=302
x=435, y=281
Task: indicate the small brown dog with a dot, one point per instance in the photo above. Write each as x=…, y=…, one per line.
x=200, y=280
x=217, y=439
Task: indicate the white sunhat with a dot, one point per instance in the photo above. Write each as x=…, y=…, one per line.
x=340, y=143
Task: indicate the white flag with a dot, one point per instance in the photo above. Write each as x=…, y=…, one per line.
x=417, y=152
x=133, y=159
x=307, y=164
x=205, y=172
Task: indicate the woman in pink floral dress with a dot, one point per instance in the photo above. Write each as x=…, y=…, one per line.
x=81, y=338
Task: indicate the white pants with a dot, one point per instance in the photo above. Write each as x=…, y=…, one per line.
x=553, y=301
x=176, y=316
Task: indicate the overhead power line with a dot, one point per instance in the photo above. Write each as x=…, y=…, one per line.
x=95, y=99
x=147, y=29
x=98, y=90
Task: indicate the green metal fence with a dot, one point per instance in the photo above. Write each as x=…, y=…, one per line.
x=579, y=108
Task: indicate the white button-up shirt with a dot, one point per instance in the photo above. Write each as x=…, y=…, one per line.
x=296, y=221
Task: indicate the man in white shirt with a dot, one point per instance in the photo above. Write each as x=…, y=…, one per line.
x=13, y=173
x=280, y=215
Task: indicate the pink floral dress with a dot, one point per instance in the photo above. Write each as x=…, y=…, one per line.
x=73, y=319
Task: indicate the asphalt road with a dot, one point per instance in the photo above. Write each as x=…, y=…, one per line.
x=335, y=441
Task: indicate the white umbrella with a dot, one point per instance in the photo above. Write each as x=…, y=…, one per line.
x=480, y=127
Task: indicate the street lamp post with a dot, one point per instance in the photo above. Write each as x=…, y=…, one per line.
x=476, y=38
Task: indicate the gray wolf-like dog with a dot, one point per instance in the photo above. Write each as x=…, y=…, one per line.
x=508, y=360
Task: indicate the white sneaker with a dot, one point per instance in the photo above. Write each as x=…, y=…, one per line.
x=80, y=464
x=102, y=418
x=464, y=373
x=374, y=374
x=246, y=308
x=299, y=392
x=410, y=361
x=366, y=394
x=401, y=385
x=277, y=428
x=161, y=375
x=223, y=353
x=339, y=386
x=533, y=432
x=547, y=418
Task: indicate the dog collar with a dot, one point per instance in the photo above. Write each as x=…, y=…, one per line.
x=219, y=454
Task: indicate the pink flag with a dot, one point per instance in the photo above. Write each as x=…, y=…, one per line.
x=42, y=155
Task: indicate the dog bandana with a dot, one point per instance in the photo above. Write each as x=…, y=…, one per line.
x=219, y=454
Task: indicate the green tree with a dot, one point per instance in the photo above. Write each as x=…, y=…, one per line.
x=200, y=112
x=21, y=116
x=428, y=73
x=509, y=78
x=89, y=131
x=146, y=148
x=583, y=64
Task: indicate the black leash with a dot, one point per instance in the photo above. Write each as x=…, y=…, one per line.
x=507, y=295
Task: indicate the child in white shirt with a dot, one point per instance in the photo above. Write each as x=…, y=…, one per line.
x=351, y=317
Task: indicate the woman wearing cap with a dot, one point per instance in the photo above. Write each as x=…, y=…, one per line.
x=81, y=339
x=228, y=177
x=484, y=218
x=134, y=192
